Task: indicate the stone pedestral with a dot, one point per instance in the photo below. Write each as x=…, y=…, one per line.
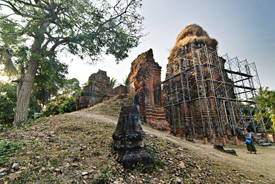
x=128, y=138
x=205, y=140
x=213, y=140
x=236, y=141
x=223, y=141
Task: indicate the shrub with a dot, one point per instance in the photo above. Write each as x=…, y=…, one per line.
x=51, y=109
x=68, y=105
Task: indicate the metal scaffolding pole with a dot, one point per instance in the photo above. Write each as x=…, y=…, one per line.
x=210, y=92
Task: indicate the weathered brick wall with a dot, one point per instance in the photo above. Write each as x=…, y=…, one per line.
x=99, y=83
x=145, y=80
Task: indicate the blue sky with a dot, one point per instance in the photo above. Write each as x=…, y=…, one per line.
x=243, y=28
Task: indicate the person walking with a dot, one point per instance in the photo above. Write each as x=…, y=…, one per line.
x=250, y=146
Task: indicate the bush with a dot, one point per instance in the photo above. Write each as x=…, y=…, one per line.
x=6, y=110
x=51, y=109
x=7, y=103
x=68, y=105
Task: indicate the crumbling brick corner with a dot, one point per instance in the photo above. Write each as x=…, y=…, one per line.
x=145, y=80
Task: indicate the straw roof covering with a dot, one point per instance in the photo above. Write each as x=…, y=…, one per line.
x=190, y=34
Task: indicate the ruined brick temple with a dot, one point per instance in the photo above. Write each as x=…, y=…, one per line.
x=145, y=80
x=97, y=90
x=203, y=93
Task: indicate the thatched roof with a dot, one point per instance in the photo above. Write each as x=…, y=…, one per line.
x=193, y=33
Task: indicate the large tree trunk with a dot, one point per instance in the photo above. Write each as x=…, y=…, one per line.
x=24, y=93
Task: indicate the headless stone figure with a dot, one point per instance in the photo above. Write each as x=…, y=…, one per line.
x=157, y=98
x=136, y=101
x=188, y=133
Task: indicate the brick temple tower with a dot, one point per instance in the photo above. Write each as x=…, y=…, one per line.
x=145, y=80
x=198, y=95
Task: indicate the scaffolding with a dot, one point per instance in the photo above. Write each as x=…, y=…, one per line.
x=210, y=95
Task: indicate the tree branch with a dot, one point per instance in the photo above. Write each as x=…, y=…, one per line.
x=12, y=33
x=7, y=16
x=65, y=40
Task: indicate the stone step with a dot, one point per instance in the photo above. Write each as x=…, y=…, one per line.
x=263, y=141
x=265, y=144
x=256, y=136
x=160, y=113
x=257, y=140
x=160, y=118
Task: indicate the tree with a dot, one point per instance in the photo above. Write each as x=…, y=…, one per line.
x=71, y=87
x=83, y=28
x=49, y=80
x=7, y=102
x=266, y=99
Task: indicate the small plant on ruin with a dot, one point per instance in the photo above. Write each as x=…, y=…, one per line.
x=126, y=81
x=90, y=83
x=113, y=83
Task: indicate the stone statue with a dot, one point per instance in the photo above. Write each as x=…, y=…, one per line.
x=136, y=101
x=128, y=138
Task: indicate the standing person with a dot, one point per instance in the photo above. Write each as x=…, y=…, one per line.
x=250, y=147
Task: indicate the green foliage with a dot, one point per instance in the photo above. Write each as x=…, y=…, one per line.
x=266, y=99
x=89, y=93
x=53, y=106
x=90, y=83
x=71, y=87
x=51, y=109
x=81, y=93
x=104, y=176
x=84, y=28
x=7, y=103
x=112, y=145
x=113, y=83
x=54, y=162
x=68, y=105
x=49, y=80
x=156, y=161
x=126, y=81
x=7, y=148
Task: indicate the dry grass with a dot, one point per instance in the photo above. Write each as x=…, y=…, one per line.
x=190, y=34
x=75, y=148
x=112, y=106
x=68, y=149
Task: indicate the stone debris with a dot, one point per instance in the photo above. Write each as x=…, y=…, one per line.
x=15, y=166
x=84, y=173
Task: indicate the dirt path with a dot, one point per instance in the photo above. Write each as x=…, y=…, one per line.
x=261, y=164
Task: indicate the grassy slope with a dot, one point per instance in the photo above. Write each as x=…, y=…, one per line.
x=68, y=149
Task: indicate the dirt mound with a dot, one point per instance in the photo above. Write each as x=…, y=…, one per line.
x=77, y=148
x=112, y=106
